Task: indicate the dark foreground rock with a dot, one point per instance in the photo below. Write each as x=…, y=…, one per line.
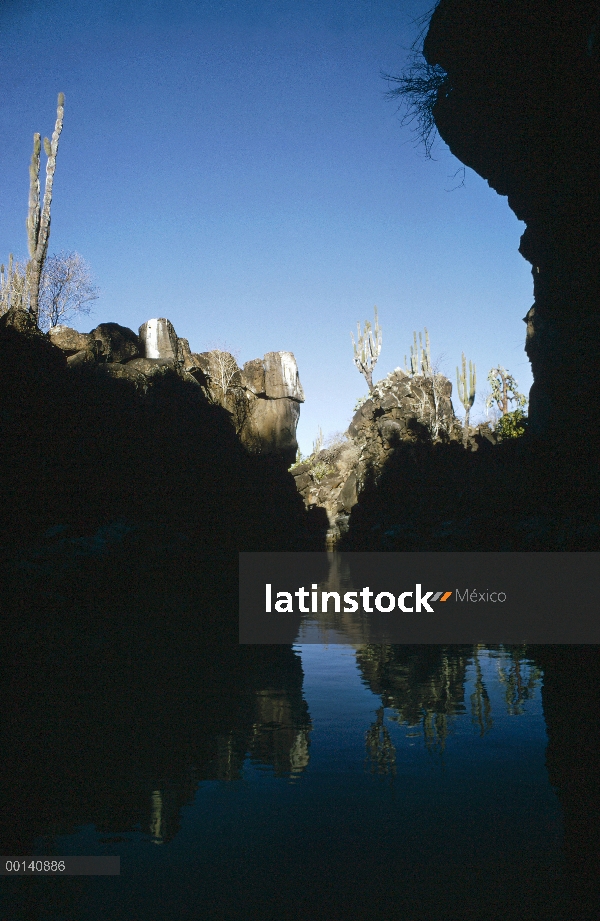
x=522, y=494
x=136, y=440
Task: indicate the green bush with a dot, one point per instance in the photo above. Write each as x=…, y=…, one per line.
x=320, y=470
x=511, y=425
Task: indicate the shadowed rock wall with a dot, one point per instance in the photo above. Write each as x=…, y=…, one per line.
x=521, y=106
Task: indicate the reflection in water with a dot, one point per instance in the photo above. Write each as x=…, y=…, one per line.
x=381, y=751
x=156, y=818
x=519, y=677
x=157, y=736
x=280, y=735
x=425, y=686
x=481, y=708
x=122, y=740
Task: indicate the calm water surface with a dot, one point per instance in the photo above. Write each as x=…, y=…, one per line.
x=411, y=784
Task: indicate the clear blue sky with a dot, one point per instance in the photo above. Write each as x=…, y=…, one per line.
x=236, y=167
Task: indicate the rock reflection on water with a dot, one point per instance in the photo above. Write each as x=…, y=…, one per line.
x=520, y=678
x=328, y=626
x=424, y=686
x=280, y=736
x=120, y=742
x=381, y=751
x=277, y=740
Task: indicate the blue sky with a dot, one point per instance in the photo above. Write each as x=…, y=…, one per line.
x=236, y=167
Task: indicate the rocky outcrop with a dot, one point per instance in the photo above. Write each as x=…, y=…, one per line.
x=273, y=391
x=70, y=341
x=19, y=334
x=115, y=343
x=520, y=104
x=158, y=339
x=108, y=342
x=402, y=407
x=263, y=399
x=401, y=410
x=88, y=442
x=281, y=377
x=270, y=427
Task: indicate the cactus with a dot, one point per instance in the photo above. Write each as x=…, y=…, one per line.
x=426, y=356
x=367, y=349
x=414, y=360
x=318, y=442
x=466, y=394
x=6, y=286
x=38, y=218
x=420, y=356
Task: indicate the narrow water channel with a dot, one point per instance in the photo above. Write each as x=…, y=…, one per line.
x=377, y=782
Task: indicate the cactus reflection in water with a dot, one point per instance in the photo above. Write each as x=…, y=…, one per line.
x=425, y=687
x=381, y=751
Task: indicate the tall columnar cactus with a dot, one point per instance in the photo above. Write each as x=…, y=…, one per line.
x=367, y=349
x=426, y=355
x=414, y=356
x=466, y=394
x=38, y=218
x=420, y=356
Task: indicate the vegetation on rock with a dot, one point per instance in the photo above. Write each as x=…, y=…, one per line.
x=38, y=219
x=466, y=392
x=66, y=289
x=511, y=425
x=367, y=349
x=504, y=391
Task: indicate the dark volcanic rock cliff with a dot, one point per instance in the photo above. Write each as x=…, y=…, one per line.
x=521, y=106
x=94, y=433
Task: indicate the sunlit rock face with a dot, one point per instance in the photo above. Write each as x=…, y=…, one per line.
x=521, y=106
x=69, y=340
x=273, y=393
x=158, y=339
x=281, y=377
x=271, y=427
x=402, y=409
x=263, y=398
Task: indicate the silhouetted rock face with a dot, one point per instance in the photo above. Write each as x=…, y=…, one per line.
x=19, y=334
x=521, y=106
x=571, y=698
